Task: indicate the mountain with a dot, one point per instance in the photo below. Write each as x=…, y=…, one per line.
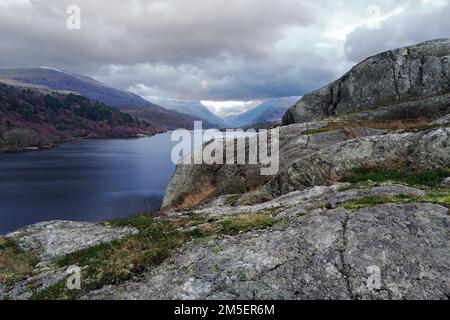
x=410, y=82
x=58, y=80
x=269, y=111
x=31, y=119
x=47, y=80
x=169, y=119
x=188, y=107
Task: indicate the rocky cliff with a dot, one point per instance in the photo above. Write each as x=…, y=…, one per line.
x=413, y=81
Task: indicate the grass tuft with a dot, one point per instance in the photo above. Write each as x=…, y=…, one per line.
x=192, y=199
x=15, y=264
x=373, y=201
x=230, y=200
x=245, y=223
x=429, y=178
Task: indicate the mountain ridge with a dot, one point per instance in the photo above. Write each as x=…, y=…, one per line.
x=269, y=111
x=188, y=107
x=48, y=80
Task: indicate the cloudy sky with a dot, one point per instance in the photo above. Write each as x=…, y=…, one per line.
x=230, y=53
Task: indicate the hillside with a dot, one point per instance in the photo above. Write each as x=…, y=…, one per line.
x=31, y=119
x=191, y=108
x=47, y=80
x=271, y=110
x=58, y=80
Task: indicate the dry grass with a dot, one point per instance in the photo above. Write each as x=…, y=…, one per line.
x=14, y=263
x=246, y=222
x=396, y=124
x=351, y=133
x=349, y=125
x=192, y=199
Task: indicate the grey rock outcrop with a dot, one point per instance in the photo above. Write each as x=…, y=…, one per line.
x=50, y=241
x=406, y=80
x=308, y=160
x=423, y=150
x=57, y=238
x=230, y=179
x=442, y=121
x=389, y=251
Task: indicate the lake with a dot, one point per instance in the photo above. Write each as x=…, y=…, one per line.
x=86, y=180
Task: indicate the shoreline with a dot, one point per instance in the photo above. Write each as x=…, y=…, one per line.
x=51, y=146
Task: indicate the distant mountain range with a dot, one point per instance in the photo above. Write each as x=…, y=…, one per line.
x=47, y=80
x=269, y=111
x=188, y=107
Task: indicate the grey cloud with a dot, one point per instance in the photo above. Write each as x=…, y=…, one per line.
x=137, y=31
x=202, y=49
x=410, y=27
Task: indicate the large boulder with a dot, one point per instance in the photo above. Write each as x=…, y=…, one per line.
x=408, y=80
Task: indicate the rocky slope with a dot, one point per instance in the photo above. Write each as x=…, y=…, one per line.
x=189, y=180
x=390, y=251
x=411, y=82
x=342, y=241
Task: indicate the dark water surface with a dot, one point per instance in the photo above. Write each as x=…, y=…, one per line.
x=86, y=180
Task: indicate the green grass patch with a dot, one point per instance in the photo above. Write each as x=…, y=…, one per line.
x=121, y=260
x=230, y=200
x=439, y=195
x=373, y=201
x=380, y=174
x=317, y=131
x=57, y=292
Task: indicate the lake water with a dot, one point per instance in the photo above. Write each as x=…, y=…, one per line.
x=86, y=180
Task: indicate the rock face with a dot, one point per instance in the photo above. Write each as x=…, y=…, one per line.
x=308, y=160
x=397, y=78
x=443, y=121
x=424, y=150
x=387, y=251
x=232, y=179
